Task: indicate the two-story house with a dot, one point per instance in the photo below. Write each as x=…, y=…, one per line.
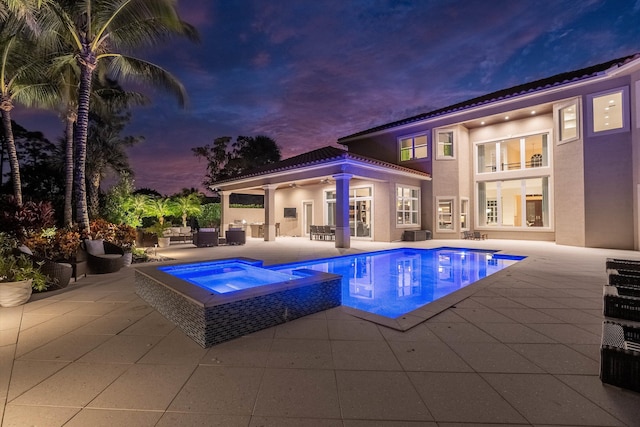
x=557, y=159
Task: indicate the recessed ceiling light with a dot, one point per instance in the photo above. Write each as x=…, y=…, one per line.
x=606, y=108
x=506, y=117
x=482, y=122
x=611, y=101
x=533, y=112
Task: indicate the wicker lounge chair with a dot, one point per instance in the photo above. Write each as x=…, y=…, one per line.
x=103, y=257
x=624, y=279
x=623, y=266
x=620, y=355
x=622, y=302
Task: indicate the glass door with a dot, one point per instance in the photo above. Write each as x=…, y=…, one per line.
x=307, y=217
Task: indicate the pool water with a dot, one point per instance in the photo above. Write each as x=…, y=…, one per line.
x=226, y=276
x=394, y=282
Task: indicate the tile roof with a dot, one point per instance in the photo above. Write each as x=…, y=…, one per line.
x=316, y=157
x=526, y=88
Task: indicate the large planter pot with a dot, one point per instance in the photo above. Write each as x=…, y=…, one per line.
x=164, y=242
x=127, y=258
x=15, y=293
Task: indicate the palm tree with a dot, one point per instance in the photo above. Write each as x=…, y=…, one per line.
x=21, y=81
x=106, y=97
x=101, y=31
x=159, y=207
x=186, y=205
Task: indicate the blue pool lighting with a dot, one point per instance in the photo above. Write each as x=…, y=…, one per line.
x=394, y=282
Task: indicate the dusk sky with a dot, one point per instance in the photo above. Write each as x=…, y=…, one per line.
x=308, y=72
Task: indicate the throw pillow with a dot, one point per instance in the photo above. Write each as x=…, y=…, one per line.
x=95, y=247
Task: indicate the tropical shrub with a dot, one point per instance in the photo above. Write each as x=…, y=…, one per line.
x=52, y=243
x=122, y=235
x=17, y=221
x=209, y=215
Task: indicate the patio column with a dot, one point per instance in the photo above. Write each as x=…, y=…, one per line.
x=270, y=212
x=343, y=234
x=224, y=205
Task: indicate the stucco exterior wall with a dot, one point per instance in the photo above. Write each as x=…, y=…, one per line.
x=568, y=183
x=608, y=180
x=635, y=155
x=609, y=191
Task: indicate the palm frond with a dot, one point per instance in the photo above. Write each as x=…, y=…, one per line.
x=127, y=68
x=43, y=95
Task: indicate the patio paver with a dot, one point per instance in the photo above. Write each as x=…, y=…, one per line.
x=522, y=350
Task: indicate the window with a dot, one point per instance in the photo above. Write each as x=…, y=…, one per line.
x=464, y=214
x=414, y=147
x=360, y=210
x=513, y=154
x=445, y=214
x=535, y=151
x=445, y=144
x=510, y=154
x=514, y=203
x=567, y=116
x=487, y=158
x=609, y=111
x=407, y=206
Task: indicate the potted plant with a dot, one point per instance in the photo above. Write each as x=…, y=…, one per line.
x=125, y=237
x=158, y=229
x=19, y=277
x=160, y=207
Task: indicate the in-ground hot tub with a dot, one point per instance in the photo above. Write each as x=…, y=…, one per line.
x=216, y=301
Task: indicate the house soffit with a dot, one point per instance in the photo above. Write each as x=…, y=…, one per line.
x=316, y=173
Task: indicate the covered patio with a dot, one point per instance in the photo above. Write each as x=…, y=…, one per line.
x=328, y=186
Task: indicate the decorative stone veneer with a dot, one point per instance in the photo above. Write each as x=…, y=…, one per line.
x=209, y=323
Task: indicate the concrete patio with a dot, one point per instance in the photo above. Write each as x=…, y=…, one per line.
x=522, y=350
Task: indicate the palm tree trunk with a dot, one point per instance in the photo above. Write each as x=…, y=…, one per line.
x=68, y=166
x=11, y=150
x=93, y=191
x=87, y=64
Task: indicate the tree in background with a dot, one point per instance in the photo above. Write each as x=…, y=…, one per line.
x=226, y=159
x=40, y=175
x=107, y=151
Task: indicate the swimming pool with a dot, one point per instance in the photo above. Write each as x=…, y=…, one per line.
x=395, y=282
x=215, y=301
